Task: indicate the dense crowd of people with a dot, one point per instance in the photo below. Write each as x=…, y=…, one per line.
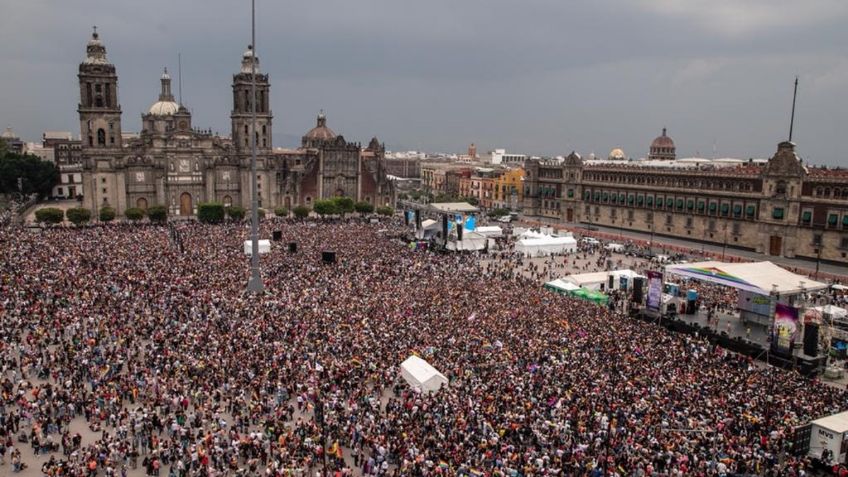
x=124, y=352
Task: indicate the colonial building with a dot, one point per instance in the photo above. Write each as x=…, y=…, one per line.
x=781, y=208
x=173, y=163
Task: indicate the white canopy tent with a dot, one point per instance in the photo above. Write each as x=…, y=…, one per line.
x=833, y=311
x=539, y=247
x=629, y=274
x=590, y=281
x=761, y=278
x=489, y=231
x=562, y=285
x=421, y=375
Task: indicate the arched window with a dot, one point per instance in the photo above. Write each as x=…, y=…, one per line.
x=228, y=201
x=781, y=187
x=101, y=137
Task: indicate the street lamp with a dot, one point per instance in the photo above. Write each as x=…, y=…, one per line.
x=254, y=284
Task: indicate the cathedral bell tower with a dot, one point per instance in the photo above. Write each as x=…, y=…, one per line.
x=241, y=115
x=99, y=111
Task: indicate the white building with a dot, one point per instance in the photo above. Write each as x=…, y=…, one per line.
x=500, y=156
x=70, y=182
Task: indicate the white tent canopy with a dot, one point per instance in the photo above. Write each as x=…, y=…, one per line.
x=760, y=277
x=834, y=311
x=561, y=284
x=489, y=231
x=591, y=281
x=537, y=247
x=422, y=376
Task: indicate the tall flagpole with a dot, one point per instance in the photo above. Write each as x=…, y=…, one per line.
x=254, y=284
x=792, y=119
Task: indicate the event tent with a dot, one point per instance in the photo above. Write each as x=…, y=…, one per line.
x=421, y=375
x=547, y=245
x=833, y=311
x=560, y=286
x=759, y=277
x=492, y=231
x=595, y=297
x=590, y=281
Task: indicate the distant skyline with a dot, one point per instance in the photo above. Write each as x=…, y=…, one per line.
x=539, y=77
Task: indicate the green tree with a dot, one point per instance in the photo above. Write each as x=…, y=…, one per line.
x=344, y=205
x=325, y=207
x=363, y=207
x=210, y=212
x=301, y=212
x=281, y=212
x=107, y=214
x=134, y=213
x=78, y=215
x=260, y=213
x=157, y=214
x=472, y=200
x=498, y=212
x=235, y=212
x=36, y=176
x=49, y=215
x=387, y=211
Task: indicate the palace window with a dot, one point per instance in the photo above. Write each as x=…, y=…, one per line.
x=806, y=217
x=777, y=213
x=751, y=211
x=832, y=220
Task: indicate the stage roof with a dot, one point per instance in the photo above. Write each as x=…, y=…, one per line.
x=445, y=207
x=757, y=277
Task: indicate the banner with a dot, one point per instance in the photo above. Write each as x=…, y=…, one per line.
x=655, y=289
x=754, y=303
x=786, y=328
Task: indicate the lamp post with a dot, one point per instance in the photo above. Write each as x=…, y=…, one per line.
x=254, y=284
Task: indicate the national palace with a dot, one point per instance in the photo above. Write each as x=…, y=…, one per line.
x=779, y=207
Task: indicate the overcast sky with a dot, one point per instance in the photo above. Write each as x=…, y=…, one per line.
x=532, y=76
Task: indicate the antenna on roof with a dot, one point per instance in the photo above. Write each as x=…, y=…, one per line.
x=180, y=76
x=792, y=119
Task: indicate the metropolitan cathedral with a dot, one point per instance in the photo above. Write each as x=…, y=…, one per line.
x=172, y=163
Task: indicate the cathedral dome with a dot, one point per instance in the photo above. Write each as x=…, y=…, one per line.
x=164, y=108
x=321, y=131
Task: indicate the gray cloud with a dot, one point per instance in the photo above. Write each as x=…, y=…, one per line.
x=536, y=76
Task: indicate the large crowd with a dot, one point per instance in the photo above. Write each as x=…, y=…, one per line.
x=123, y=353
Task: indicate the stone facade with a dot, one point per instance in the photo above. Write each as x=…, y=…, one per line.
x=172, y=163
x=783, y=208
